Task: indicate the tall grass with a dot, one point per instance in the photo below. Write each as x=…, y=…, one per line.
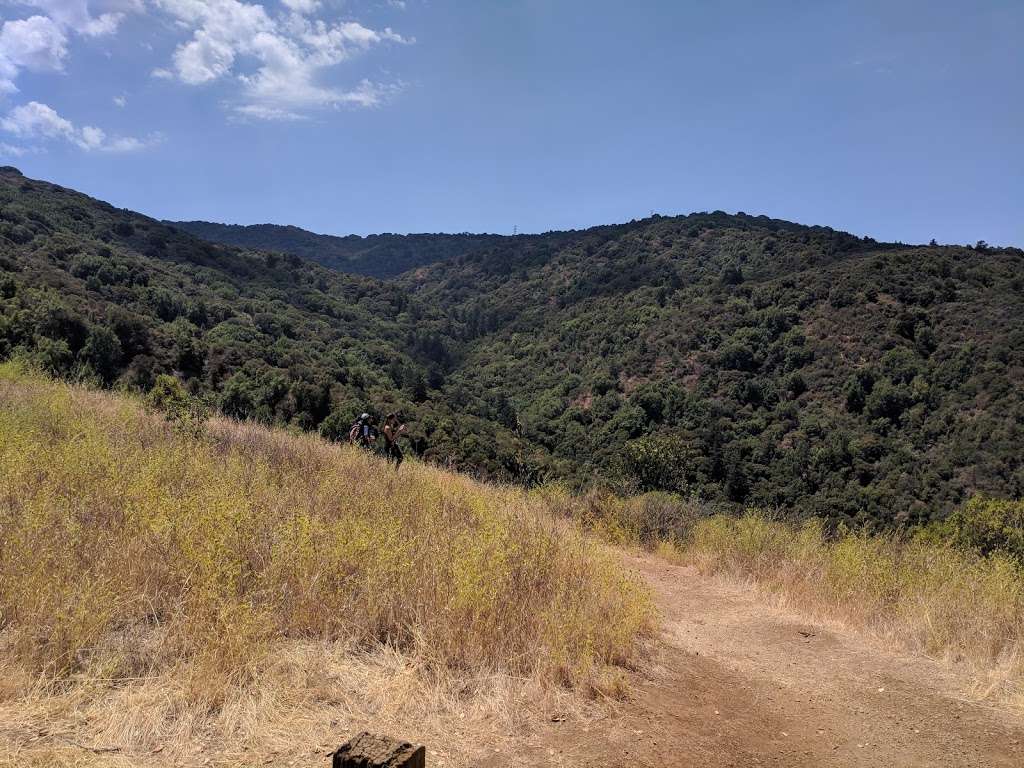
x=130, y=550
x=933, y=593
x=922, y=595
x=646, y=520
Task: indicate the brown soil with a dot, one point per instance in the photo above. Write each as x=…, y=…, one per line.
x=735, y=682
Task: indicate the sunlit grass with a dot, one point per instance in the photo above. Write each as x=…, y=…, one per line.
x=920, y=594
x=130, y=550
x=926, y=593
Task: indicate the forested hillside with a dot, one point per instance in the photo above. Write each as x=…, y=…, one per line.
x=380, y=256
x=753, y=361
x=742, y=359
x=88, y=291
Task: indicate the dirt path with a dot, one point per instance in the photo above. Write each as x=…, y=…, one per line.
x=738, y=683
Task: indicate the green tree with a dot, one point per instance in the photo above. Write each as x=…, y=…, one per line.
x=102, y=353
x=658, y=463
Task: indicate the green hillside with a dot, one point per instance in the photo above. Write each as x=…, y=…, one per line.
x=88, y=291
x=381, y=256
x=753, y=360
x=747, y=360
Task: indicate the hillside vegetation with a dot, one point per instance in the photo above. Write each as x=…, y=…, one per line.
x=94, y=293
x=752, y=361
x=382, y=256
x=163, y=579
x=741, y=359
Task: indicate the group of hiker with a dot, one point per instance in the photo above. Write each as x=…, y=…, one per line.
x=365, y=434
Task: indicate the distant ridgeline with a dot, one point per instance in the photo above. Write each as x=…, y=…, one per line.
x=380, y=256
x=747, y=360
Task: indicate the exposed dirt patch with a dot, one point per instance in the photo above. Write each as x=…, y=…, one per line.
x=738, y=683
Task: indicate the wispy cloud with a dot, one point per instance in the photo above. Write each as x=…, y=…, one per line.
x=9, y=150
x=38, y=121
x=302, y=6
x=280, y=58
x=91, y=18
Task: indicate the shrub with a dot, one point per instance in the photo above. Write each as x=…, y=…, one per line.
x=102, y=353
x=51, y=355
x=170, y=397
x=987, y=525
x=657, y=463
x=336, y=426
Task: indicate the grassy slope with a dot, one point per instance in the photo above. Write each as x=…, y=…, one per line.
x=141, y=565
x=954, y=593
x=247, y=594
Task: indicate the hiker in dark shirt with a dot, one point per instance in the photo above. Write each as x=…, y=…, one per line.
x=392, y=430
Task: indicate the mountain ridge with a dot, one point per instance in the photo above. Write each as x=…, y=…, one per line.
x=387, y=255
x=382, y=255
x=745, y=360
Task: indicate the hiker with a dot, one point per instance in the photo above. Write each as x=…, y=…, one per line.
x=363, y=433
x=392, y=430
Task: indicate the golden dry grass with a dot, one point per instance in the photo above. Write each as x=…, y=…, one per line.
x=922, y=594
x=914, y=594
x=250, y=591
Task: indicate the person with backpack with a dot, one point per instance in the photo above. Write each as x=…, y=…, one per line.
x=392, y=430
x=364, y=432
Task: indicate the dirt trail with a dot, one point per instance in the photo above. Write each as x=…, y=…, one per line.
x=738, y=683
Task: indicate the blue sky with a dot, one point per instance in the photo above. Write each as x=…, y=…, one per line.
x=903, y=120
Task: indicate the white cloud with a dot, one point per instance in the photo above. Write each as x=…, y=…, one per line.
x=35, y=43
x=35, y=119
x=302, y=6
x=92, y=19
x=280, y=59
x=40, y=42
x=40, y=121
x=130, y=143
x=92, y=137
x=370, y=94
x=290, y=53
x=260, y=112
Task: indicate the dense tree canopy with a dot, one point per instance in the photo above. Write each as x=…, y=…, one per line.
x=382, y=256
x=744, y=359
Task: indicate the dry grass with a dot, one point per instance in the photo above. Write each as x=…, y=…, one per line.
x=651, y=520
x=917, y=595
x=923, y=594
x=161, y=593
